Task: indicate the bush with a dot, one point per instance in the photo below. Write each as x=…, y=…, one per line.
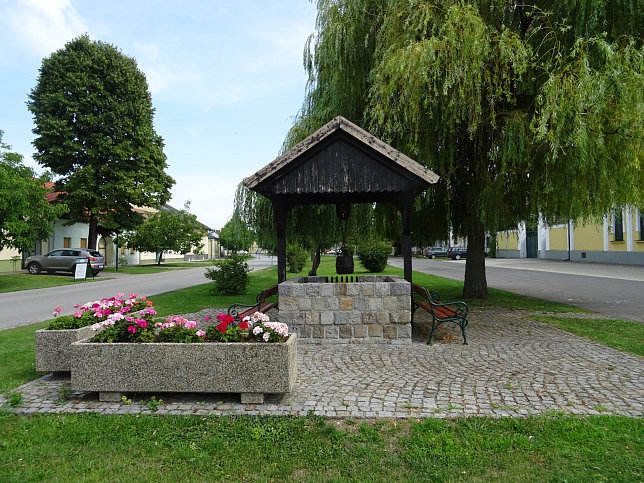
x=373, y=254
x=230, y=276
x=296, y=257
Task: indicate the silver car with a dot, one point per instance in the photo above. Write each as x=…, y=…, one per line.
x=64, y=260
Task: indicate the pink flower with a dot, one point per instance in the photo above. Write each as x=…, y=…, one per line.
x=190, y=324
x=78, y=313
x=131, y=329
x=207, y=319
x=141, y=323
x=201, y=333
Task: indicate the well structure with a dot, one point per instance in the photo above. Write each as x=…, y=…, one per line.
x=341, y=163
x=371, y=309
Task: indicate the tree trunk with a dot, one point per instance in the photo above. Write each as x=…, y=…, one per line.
x=316, y=261
x=475, y=285
x=159, y=257
x=93, y=232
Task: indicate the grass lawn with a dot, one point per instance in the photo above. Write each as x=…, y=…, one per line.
x=94, y=447
x=24, y=281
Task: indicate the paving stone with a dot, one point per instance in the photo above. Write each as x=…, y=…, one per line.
x=512, y=367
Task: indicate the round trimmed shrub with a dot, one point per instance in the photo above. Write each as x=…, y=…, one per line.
x=373, y=254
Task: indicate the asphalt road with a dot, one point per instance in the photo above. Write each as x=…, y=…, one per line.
x=614, y=290
x=29, y=306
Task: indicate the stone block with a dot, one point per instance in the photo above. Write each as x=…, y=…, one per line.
x=360, y=331
x=383, y=318
x=346, y=303
x=317, y=332
x=374, y=304
x=312, y=318
x=327, y=318
x=367, y=289
x=327, y=290
x=401, y=316
x=360, y=303
x=302, y=304
x=319, y=304
x=331, y=332
x=312, y=289
x=353, y=289
x=333, y=303
x=382, y=289
x=402, y=287
x=369, y=318
x=340, y=318
x=354, y=317
x=389, y=332
x=392, y=303
x=375, y=331
x=288, y=303
x=346, y=332
x=404, y=331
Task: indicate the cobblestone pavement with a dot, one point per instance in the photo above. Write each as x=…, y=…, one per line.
x=513, y=366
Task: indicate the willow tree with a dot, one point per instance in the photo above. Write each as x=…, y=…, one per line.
x=93, y=119
x=521, y=107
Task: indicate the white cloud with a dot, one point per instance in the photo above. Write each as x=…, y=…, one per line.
x=44, y=26
x=211, y=196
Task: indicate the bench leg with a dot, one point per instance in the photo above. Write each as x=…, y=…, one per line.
x=463, y=331
x=431, y=334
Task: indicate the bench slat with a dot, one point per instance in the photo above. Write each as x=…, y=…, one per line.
x=441, y=312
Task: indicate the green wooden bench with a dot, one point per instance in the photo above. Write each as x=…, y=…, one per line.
x=261, y=305
x=441, y=312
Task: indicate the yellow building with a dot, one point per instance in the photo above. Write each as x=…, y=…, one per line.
x=619, y=239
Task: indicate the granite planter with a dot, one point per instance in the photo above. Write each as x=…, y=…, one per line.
x=249, y=368
x=53, y=348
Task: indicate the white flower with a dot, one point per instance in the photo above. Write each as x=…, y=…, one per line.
x=266, y=336
x=257, y=330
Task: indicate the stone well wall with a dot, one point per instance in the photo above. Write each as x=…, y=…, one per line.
x=376, y=309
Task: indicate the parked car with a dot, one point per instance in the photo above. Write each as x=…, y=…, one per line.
x=456, y=253
x=64, y=260
x=436, y=252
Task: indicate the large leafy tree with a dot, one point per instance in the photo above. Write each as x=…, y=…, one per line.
x=235, y=234
x=168, y=230
x=25, y=215
x=94, y=125
x=521, y=107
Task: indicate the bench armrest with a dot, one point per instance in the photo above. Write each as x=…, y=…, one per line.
x=460, y=308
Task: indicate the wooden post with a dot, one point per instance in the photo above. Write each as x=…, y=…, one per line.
x=280, y=211
x=405, y=210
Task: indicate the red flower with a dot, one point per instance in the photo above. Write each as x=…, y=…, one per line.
x=243, y=325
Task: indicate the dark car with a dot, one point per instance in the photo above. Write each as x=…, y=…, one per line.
x=64, y=260
x=436, y=252
x=456, y=253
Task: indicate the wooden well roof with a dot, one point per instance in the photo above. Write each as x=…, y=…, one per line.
x=341, y=162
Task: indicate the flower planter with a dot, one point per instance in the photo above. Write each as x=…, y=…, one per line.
x=250, y=368
x=53, y=348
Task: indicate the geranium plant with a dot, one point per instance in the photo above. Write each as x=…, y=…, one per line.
x=256, y=328
x=91, y=312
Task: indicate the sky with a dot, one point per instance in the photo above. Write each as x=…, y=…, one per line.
x=226, y=79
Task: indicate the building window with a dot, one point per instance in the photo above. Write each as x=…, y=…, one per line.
x=618, y=226
x=123, y=250
x=67, y=242
x=83, y=243
x=131, y=251
x=641, y=220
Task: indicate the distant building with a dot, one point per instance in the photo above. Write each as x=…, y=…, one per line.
x=618, y=240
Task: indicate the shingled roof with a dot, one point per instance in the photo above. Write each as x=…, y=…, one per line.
x=341, y=159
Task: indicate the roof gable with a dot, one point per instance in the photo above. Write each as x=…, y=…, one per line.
x=341, y=159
